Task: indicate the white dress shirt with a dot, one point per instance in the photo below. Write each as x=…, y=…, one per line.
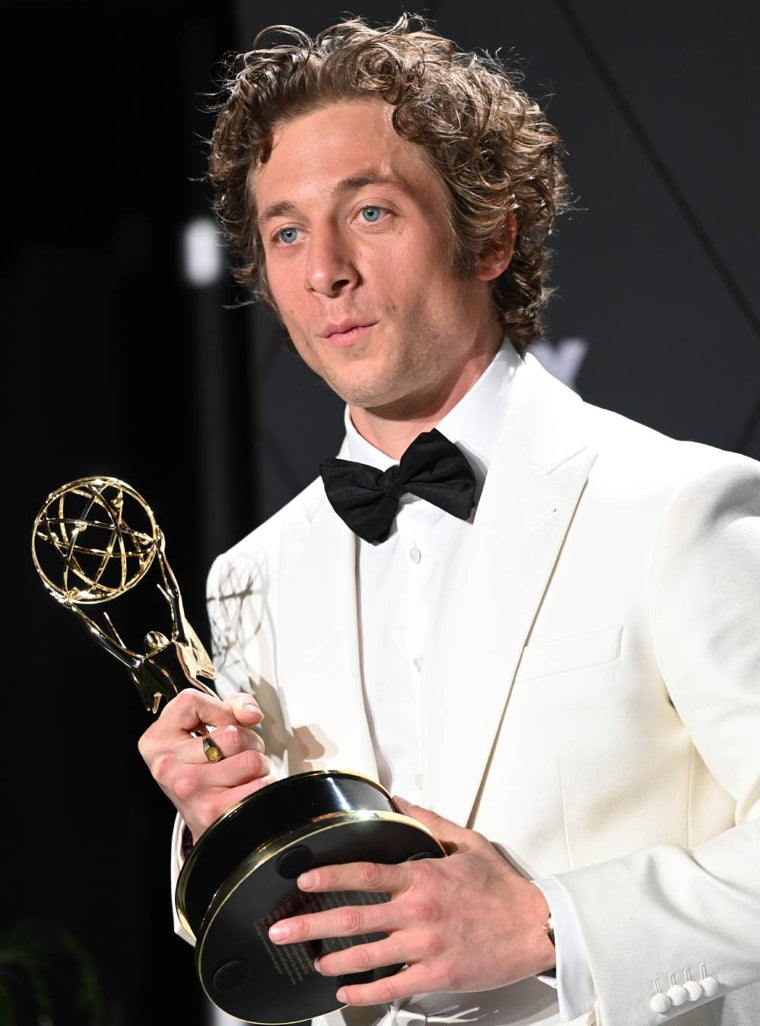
x=402, y=587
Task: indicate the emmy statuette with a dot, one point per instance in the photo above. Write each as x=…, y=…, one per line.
x=93, y=541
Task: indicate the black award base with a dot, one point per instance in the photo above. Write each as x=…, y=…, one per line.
x=240, y=878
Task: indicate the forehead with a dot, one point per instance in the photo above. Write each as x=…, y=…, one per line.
x=313, y=154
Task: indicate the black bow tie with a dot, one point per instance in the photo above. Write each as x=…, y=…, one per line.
x=431, y=468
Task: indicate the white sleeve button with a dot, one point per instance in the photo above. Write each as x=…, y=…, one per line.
x=693, y=989
x=710, y=986
x=660, y=1003
x=678, y=994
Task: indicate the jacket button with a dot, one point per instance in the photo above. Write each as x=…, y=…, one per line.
x=677, y=994
x=660, y=1003
x=693, y=989
x=710, y=986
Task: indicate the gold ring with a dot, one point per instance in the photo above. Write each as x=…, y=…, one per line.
x=211, y=750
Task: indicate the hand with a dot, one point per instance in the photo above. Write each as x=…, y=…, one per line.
x=201, y=790
x=466, y=922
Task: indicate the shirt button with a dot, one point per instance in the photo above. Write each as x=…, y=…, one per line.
x=417, y=663
x=415, y=555
x=418, y=781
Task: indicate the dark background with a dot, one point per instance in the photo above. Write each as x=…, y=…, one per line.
x=115, y=364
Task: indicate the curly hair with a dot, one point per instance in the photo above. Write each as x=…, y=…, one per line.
x=490, y=143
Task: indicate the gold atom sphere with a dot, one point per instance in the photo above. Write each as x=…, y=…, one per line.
x=93, y=540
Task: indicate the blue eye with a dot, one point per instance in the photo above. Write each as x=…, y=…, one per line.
x=372, y=214
x=288, y=235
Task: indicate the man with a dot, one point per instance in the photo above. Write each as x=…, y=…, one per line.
x=562, y=671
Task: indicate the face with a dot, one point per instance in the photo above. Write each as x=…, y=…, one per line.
x=358, y=246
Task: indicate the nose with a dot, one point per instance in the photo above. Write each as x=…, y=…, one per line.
x=330, y=266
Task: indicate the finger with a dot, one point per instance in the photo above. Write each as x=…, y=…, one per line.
x=368, y=877
x=228, y=741
x=245, y=708
x=410, y=981
x=449, y=834
x=233, y=739
x=345, y=921
x=235, y=770
x=186, y=714
x=190, y=709
x=360, y=958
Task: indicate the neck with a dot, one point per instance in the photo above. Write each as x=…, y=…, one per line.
x=392, y=428
x=393, y=437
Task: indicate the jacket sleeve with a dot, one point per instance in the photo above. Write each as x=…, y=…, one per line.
x=669, y=928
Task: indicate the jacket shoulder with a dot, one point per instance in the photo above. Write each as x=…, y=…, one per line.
x=260, y=547
x=640, y=451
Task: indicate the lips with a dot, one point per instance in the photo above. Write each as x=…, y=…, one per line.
x=346, y=333
x=344, y=327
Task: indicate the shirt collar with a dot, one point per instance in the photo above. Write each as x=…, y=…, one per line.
x=471, y=424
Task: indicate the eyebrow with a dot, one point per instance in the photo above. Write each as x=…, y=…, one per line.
x=345, y=185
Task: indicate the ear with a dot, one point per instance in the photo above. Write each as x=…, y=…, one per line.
x=496, y=257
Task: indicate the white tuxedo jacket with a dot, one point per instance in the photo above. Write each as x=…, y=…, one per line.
x=599, y=659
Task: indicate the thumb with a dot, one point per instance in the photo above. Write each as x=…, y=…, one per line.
x=450, y=835
x=245, y=708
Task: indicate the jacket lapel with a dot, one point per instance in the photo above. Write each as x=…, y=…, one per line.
x=319, y=641
x=533, y=486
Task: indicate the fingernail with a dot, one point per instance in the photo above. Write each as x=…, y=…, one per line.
x=278, y=932
x=306, y=880
x=341, y=996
